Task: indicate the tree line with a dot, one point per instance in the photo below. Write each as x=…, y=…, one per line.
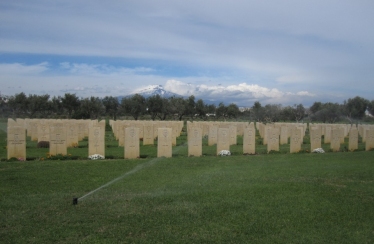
x=176, y=108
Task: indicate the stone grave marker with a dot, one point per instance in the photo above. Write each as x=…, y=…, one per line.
x=273, y=140
x=369, y=143
x=43, y=132
x=315, y=138
x=175, y=133
x=284, y=135
x=341, y=134
x=195, y=141
x=213, y=134
x=71, y=134
x=96, y=140
x=296, y=139
x=16, y=142
x=327, y=135
x=148, y=138
x=335, y=139
x=164, y=142
x=249, y=140
x=353, y=139
x=132, y=149
x=57, y=142
x=233, y=134
x=223, y=140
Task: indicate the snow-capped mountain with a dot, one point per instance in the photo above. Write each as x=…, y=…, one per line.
x=152, y=90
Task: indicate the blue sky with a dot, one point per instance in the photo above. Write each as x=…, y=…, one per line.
x=286, y=52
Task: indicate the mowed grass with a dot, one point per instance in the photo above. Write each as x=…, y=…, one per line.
x=275, y=198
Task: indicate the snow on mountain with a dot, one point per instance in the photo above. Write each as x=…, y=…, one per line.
x=152, y=90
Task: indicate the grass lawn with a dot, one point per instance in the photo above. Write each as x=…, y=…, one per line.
x=284, y=198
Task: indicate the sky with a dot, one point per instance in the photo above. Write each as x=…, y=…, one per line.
x=275, y=52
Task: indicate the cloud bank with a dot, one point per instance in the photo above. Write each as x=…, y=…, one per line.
x=242, y=94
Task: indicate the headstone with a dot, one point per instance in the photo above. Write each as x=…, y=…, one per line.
x=43, y=132
x=164, y=142
x=213, y=134
x=57, y=142
x=315, y=138
x=353, y=139
x=342, y=134
x=132, y=149
x=335, y=139
x=296, y=139
x=148, y=138
x=327, y=135
x=284, y=135
x=267, y=131
x=249, y=140
x=369, y=143
x=233, y=134
x=195, y=142
x=71, y=134
x=96, y=140
x=121, y=133
x=16, y=142
x=223, y=140
x=81, y=130
x=175, y=133
x=273, y=140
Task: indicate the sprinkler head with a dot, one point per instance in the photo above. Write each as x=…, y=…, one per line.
x=75, y=201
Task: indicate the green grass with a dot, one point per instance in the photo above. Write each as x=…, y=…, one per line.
x=294, y=198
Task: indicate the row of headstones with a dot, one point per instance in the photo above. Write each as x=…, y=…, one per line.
x=195, y=135
x=224, y=134
x=148, y=130
x=60, y=134
x=335, y=134
x=221, y=133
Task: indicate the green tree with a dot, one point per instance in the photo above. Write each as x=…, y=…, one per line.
x=57, y=107
x=191, y=106
x=329, y=113
x=38, y=104
x=257, y=112
x=272, y=112
x=232, y=111
x=111, y=105
x=221, y=111
x=90, y=108
x=201, y=109
x=70, y=103
x=355, y=108
x=287, y=113
x=298, y=112
x=134, y=106
x=317, y=106
x=177, y=107
x=371, y=107
x=155, y=106
x=4, y=106
x=19, y=104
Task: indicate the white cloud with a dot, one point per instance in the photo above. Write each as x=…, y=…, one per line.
x=243, y=93
x=21, y=69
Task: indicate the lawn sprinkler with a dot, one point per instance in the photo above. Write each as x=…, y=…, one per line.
x=75, y=201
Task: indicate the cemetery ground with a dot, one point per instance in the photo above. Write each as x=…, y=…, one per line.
x=277, y=197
